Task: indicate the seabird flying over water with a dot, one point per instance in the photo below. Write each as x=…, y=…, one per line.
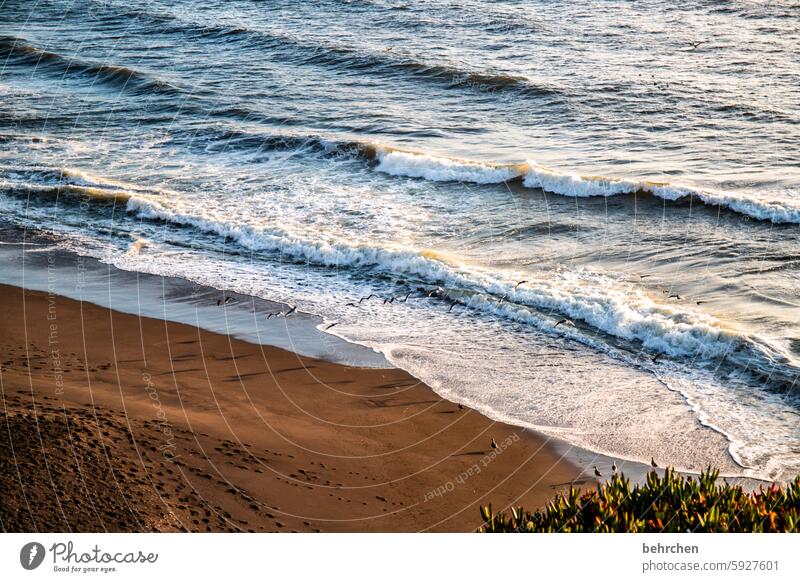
x=520, y=283
x=330, y=325
x=565, y=322
x=292, y=310
x=351, y=304
x=367, y=298
x=674, y=296
x=269, y=315
x=655, y=358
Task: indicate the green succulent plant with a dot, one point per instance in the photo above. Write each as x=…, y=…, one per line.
x=668, y=503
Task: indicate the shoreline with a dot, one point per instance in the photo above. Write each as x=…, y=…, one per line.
x=178, y=300
x=207, y=432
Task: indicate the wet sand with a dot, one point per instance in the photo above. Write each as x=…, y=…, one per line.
x=114, y=422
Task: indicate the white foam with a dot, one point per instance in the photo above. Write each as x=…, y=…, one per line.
x=779, y=210
x=603, y=302
x=565, y=184
x=440, y=169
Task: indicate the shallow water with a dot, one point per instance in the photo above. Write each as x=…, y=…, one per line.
x=635, y=165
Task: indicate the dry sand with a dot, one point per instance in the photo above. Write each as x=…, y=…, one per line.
x=117, y=423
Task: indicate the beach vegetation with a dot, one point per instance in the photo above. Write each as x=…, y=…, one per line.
x=670, y=502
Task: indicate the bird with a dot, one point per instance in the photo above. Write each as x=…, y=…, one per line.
x=655, y=358
x=292, y=310
x=218, y=302
x=494, y=444
x=453, y=304
x=367, y=298
x=461, y=407
x=653, y=463
x=614, y=467
x=228, y=299
x=644, y=276
x=520, y=283
x=330, y=325
x=674, y=296
x=700, y=302
x=405, y=299
x=565, y=322
x=503, y=298
x=596, y=472
x=351, y=304
x=696, y=44
x=269, y=315
x=389, y=300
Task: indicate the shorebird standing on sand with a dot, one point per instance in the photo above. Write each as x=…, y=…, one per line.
x=614, y=467
x=653, y=463
x=494, y=444
x=596, y=472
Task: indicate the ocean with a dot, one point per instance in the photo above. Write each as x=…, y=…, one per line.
x=581, y=218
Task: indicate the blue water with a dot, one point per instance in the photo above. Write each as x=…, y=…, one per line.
x=636, y=165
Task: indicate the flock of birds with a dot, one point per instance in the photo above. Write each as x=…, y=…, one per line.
x=439, y=293
x=614, y=469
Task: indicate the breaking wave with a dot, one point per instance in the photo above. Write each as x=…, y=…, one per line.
x=533, y=175
x=594, y=301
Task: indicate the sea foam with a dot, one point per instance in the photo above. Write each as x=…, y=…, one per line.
x=533, y=175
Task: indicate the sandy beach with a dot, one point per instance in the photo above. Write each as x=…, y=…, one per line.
x=120, y=423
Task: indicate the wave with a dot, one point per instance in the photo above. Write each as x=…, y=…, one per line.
x=598, y=301
x=414, y=164
x=307, y=51
x=42, y=181
x=595, y=301
x=533, y=175
x=19, y=51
